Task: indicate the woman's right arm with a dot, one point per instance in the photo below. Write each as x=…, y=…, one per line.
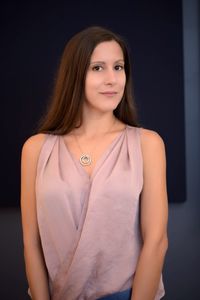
x=36, y=271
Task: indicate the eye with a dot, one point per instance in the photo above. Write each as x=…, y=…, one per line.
x=119, y=67
x=97, y=68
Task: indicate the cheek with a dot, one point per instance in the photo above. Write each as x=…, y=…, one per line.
x=90, y=82
x=87, y=86
x=90, y=87
x=123, y=81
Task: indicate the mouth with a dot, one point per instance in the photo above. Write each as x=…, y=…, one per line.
x=109, y=93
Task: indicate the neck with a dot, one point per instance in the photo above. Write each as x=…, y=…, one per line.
x=96, y=125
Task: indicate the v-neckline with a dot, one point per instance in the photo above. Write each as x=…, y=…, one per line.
x=100, y=159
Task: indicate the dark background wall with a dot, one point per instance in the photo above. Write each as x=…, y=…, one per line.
x=33, y=36
x=182, y=261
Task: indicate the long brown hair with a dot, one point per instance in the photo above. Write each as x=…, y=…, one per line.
x=65, y=110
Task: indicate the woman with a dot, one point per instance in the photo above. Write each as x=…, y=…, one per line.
x=93, y=183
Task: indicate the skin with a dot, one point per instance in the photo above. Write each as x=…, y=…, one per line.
x=34, y=261
x=154, y=216
x=105, y=75
x=99, y=128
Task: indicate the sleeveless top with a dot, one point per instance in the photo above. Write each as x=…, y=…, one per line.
x=89, y=225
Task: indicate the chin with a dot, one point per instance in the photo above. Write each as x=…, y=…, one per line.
x=104, y=106
x=109, y=108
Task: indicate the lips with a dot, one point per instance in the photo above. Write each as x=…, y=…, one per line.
x=109, y=93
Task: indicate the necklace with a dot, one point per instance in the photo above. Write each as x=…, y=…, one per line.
x=86, y=159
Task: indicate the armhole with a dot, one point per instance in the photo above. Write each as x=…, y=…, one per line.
x=42, y=154
x=140, y=155
x=45, y=152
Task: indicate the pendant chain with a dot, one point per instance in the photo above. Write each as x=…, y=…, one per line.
x=86, y=159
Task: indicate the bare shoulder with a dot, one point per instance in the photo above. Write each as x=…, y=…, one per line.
x=153, y=149
x=154, y=156
x=151, y=140
x=33, y=145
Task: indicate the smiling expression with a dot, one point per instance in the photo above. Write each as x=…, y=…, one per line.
x=105, y=77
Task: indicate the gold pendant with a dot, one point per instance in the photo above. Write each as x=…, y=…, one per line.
x=85, y=160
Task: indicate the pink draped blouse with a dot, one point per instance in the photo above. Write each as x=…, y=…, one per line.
x=89, y=226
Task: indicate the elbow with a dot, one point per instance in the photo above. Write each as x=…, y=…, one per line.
x=164, y=244
x=160, y=245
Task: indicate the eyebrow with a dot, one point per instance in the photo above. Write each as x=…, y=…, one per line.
x=103, y=62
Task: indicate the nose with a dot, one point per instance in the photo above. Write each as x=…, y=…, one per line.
x=110, y=77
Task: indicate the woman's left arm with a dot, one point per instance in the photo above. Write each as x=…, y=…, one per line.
x=153, y=216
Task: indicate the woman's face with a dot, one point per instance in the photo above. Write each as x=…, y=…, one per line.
x=105, y=78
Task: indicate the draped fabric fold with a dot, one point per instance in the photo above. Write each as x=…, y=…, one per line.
x=89, y=226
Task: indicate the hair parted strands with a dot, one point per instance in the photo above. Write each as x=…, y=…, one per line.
x=65, y=110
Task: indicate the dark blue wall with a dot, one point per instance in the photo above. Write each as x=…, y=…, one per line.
x=33, y=35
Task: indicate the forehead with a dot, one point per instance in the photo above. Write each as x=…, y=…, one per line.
x=109, y=50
